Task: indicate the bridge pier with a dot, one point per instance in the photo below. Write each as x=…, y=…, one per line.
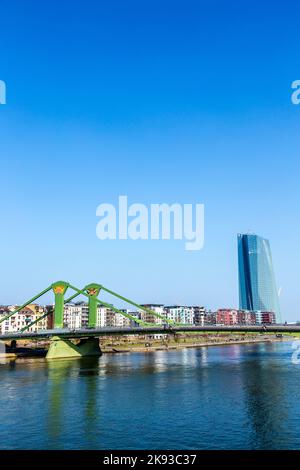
x=61, y=348
x=7, y=352
x=93, y=291
x=59, y=289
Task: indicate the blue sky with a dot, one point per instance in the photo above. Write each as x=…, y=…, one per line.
x=164, y=102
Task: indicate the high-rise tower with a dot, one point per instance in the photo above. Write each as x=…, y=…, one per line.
x=257, y=286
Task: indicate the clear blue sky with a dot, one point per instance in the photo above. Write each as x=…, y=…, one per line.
x=165, y=101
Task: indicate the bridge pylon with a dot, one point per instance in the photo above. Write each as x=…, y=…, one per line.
x=59, y=288
x=93, y=291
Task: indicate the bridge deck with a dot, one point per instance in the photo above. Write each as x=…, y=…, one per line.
x=107, y=331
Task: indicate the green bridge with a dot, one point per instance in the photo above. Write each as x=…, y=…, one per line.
x=61, y=345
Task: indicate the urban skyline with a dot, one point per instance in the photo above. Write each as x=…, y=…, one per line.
x=256, y=280
x=258, y=301
x=35, y=317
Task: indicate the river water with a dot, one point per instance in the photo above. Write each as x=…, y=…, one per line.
x=217, y=397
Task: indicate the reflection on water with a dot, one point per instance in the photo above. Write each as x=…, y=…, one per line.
x=266, y=401
x=238, y=396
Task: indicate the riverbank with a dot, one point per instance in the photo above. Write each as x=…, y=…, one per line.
x=187, y=343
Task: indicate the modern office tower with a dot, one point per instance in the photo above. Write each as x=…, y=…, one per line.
x=257, y=286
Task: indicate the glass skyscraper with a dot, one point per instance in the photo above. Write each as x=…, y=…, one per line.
x=257, y=286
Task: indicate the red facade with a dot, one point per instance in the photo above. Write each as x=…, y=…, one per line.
x=226, y=316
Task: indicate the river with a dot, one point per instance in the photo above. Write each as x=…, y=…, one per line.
x=217, y=397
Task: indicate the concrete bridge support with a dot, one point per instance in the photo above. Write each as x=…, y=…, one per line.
x=7, y=352
x=64, y=348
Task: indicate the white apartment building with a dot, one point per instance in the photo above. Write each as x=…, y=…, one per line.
x=180, y=314
x=117, y=320
x=77, y=316
x=101, y=316
x=20, y=320
x=148, y=317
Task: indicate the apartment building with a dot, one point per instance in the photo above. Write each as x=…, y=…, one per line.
x=265, y=318
x=115, y=319
x=227, y=316
x=77, y=316
x=148, y=317
x=246, y=318
x=180, y=314
x=23, y=319
x=199, y=315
